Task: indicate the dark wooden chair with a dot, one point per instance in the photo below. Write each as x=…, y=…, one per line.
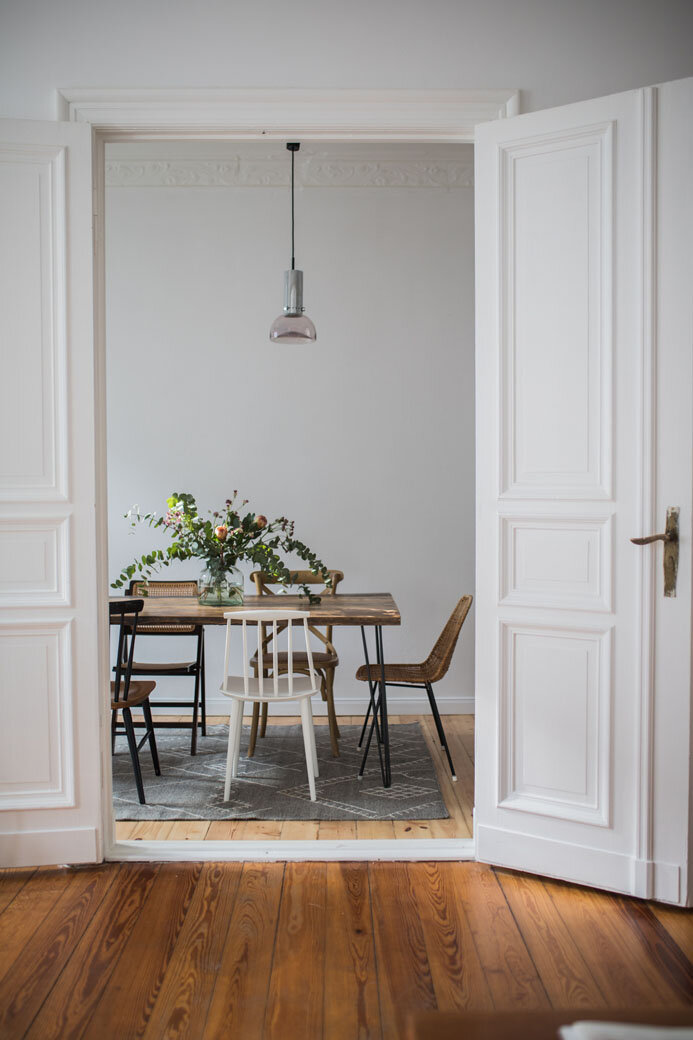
x=422, y=676
x=192, y=669
x=324, y=661
x=126, y=694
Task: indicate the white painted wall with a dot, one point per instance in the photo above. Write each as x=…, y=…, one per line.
x=556, y=51
x=366, y=439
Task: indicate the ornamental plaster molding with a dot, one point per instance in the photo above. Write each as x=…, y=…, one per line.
x=317, y=171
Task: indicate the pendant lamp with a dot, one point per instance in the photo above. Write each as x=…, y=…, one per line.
x=293, y=326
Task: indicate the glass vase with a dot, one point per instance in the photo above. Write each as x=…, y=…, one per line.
x=218, y=587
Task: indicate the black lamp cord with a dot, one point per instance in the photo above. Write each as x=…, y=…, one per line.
x=293, y=147
x=293, y=258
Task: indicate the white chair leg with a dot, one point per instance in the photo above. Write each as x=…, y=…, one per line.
x=308, y=736
x=312, y=738
x=235, y=725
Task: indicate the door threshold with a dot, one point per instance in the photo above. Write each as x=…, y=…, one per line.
x=314, y=850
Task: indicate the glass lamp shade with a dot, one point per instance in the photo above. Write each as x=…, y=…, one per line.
x=292, y=328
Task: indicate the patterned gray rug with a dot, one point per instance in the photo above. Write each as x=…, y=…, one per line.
x=273, y=784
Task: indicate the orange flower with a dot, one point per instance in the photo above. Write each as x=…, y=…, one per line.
x=221, y=532
x=261, y=521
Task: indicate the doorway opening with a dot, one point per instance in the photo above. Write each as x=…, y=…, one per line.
x=365, y=439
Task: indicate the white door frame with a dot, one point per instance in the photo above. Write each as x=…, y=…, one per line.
x=431, y=116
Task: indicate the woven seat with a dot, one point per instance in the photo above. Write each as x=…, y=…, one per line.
x=406, y=673
x=424, y=674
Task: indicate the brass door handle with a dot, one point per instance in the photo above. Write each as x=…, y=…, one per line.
x=671, y=549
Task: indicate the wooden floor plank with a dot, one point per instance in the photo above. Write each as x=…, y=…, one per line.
x=258, y=830
x=239, y=1000
x=621, y=967
x=564, y=973
x=512, y=977
x=299, y=830
x=186, y=991
x=188, y=830
x=352, y=1010
x=404, y=973
x=222, y=830
x=337, y=830
x=458, y=977
x=375, y=830
x=11, y=882
x=27, y=910
x=72, y=1000
x=32, y=975
x=127, y=1001
x=412, y=829
x=295, y=997
x=674, y=970
x=679, y=924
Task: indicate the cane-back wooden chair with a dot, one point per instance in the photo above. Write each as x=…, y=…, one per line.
x=280, y=688
x=422, y=676
x=126, y=695
x=324, y=661
x=194, y=669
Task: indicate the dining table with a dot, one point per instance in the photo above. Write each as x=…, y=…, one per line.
x=365, y=610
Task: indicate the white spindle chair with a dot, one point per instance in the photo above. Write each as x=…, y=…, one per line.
x=267, y=689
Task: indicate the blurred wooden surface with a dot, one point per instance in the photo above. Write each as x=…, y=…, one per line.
x=341, y=951
x=529, y=1025
x=459, y=798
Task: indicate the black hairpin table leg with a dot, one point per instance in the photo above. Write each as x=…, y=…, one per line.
x=379, y=708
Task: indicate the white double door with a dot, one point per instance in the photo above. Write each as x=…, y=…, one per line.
x=584, y=232
x=584, y=395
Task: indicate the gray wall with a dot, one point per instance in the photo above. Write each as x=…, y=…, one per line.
x=365, y=439
x=554, y=50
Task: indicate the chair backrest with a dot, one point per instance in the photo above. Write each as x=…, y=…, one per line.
x=157, y=589
x=128, y=610
x=152, y=589
x=263, y=584
x=438, y=661
x=272, y=620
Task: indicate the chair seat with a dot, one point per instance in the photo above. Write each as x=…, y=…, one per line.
x=138, y=692
x=235, y=687
x=164, y=667
x=412, y=673
x=320, y=659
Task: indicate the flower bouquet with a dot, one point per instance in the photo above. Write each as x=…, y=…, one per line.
x=221, y=539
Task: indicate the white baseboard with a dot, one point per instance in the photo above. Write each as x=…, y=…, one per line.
x=397, y=704
x=44, y=848
x=458, y=849
x=600, y=868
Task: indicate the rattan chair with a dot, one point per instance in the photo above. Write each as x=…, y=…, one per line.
x=126, y=695
x=260, y=690
x=324, y=661
x=192, y=669
x=422, y=676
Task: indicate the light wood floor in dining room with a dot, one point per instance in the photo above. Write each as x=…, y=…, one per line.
x=459, y=800
x=306, y=951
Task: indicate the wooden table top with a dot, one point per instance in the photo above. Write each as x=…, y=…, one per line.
x=361, y=608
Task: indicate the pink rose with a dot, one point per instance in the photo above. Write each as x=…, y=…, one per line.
x=221, y=532
x=261, y=521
